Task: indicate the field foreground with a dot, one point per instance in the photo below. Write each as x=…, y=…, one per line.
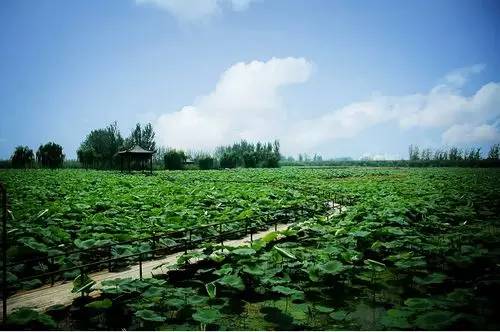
x=415, y=248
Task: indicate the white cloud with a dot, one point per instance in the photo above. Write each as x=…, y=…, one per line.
x=466, y=133
x=245, y=104
x=442, y=107
x=195, y=10
x=459, y=77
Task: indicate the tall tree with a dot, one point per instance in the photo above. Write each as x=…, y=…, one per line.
x=245, y=154
x=413, y=152
x=22, y=157
x=174, y=159
x=494, y=152
x=100, y=147
x=50, y=155
x=455, y=154
x=142, y=136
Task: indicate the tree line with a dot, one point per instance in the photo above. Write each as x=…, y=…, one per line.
x=49, y=155
x=453, y=156
x=99, y=150
x=240, y=154
x=417, y=157
x=100, y=147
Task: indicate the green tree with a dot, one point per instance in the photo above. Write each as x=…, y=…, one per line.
x=250, y=159
x=142, y=136
x=494, y=153
x=50, y=155
x=206, y=162
x=426, y=154
x=174, y=159
x=454, y=154
x=99, y=148
x=228, y=160
x=22, y=157
x=440, y=155
x=413, y=152
x=245, y=154
x=472, y=154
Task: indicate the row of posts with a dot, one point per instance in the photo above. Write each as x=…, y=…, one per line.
x=3, y=194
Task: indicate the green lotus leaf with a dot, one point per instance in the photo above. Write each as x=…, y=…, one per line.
x=206, y=315
x=101, y=304
x=149, y=315
x=333, y=267
x=211, y=290
x=434, y=320
x=285, y=290
x=233, y=281
x=284, y=253
x=26, y=316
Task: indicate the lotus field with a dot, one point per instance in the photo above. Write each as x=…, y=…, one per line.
x=410, y=249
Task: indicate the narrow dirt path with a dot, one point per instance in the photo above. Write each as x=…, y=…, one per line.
x=60, y=294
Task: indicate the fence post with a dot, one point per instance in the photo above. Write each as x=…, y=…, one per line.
x=82, y=272
x=140, y=266
x=52, y=265
x=109, y=257
x=3, y=192
x=220, y=235
x=153, y=254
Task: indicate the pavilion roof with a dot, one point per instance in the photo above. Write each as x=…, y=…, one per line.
x=137, y=149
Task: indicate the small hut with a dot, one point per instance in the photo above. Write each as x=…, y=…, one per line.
x=139, y=156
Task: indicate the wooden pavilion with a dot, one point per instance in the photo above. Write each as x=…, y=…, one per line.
x=139, y=156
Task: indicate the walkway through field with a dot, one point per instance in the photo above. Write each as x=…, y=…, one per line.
x=46, y=296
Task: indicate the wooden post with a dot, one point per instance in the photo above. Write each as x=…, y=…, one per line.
x=50, y=263
x=3, y=192
x=82, y=272
x=220, y=235
x=188, y=241
x=109, y=257
x=140, y=266
x=153, y=254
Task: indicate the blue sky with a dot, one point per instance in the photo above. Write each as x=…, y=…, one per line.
x=340, y=78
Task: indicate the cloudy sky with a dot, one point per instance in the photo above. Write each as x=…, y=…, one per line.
x=339, y=78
